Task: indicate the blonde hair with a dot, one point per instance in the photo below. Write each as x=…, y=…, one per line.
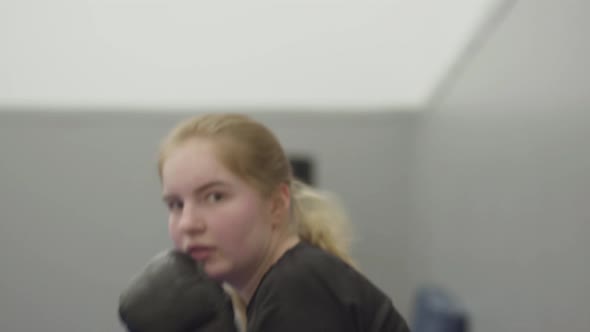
x=251, y=151
x=321, y=220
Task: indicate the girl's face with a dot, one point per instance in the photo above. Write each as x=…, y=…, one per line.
x=215, y=216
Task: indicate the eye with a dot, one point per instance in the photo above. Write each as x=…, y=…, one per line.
x=175, y=205
x=214, y=197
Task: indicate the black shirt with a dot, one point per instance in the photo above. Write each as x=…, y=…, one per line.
x=310, y=290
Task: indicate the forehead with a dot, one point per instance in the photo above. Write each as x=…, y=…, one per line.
x=193, y=163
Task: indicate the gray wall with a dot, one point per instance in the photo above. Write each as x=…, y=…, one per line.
x=502, y=177
x=80, y=208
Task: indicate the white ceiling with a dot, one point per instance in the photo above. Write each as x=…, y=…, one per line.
x=264, y=54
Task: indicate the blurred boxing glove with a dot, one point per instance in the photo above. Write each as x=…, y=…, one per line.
x=173, y=294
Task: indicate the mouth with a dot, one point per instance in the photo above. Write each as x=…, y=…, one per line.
x=200, y=253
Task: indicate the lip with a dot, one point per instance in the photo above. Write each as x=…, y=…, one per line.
x=200, y=253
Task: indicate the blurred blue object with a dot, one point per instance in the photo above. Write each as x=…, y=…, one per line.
x=436, y=311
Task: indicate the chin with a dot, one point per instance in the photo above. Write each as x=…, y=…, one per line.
x=216, y=271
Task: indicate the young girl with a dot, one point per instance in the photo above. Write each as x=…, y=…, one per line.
x=235, y=207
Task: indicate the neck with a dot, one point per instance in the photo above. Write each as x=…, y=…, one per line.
x=276, y=250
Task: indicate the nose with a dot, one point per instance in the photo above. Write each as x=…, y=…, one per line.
x=191, y=221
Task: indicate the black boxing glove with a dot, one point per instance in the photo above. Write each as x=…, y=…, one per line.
x=173, y=294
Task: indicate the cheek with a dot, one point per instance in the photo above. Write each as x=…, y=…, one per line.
x=241, y=227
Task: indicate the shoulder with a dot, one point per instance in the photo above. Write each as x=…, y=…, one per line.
x=308, y=269
x=312, y=287
x=295, y=295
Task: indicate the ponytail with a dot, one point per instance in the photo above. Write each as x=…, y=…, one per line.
x=321, y=220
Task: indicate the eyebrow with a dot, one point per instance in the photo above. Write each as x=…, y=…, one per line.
x=204, y=187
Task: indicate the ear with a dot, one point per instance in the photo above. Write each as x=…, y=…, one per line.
x=281, y=204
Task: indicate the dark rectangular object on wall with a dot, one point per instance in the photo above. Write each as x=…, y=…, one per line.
x=303, y=169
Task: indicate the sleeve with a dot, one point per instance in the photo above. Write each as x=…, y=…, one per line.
x=296, y=307
x=388, y=319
